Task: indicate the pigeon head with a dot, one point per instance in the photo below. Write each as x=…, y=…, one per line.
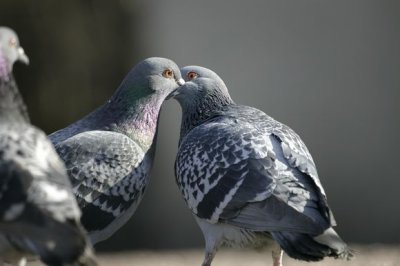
x=202, y=85
x=10, y=50
x=153, y=76
x=134, y=108
x=203, y=94
x=12, y=106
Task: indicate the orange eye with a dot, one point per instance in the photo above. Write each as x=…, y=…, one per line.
x=192, y=75
x=168, y=73
x=12, y=42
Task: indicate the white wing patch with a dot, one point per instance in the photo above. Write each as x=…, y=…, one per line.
x=54, y=193
x=227, y=199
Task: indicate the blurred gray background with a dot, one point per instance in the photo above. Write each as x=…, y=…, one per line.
x=329, y=69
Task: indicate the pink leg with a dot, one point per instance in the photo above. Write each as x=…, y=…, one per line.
x=277, y=255
x=209, y=258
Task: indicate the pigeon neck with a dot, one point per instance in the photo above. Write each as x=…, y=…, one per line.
x=4, y=69
x=135, y=114
x=193, y=116
x=12, y=106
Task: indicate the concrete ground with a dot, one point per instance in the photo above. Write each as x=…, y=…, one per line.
x=374, y=255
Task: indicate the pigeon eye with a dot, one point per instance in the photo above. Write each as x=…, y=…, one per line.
x=12, y=42
x=192, y=75
x=168, y=73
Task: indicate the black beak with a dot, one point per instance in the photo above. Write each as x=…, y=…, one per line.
x=173, y=94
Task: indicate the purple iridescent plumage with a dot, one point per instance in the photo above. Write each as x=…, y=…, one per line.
x=109, y=153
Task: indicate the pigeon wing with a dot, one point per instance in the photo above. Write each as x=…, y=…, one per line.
x=32, y=174
x=105, y=169
x=228, y=172
x=293, y=153
x=297, y=156
x=37, y=205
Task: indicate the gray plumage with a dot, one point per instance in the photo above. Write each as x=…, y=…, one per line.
x=39, y=215
x=247, y=177
x=109, y=153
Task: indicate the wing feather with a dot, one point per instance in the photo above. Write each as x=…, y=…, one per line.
x=107, y=173
x=251, y=171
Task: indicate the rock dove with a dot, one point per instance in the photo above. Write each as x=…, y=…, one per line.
x=248, y=178
x=109, y=153
x=39, y=215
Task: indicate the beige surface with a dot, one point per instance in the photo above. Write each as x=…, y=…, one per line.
x=366, y=256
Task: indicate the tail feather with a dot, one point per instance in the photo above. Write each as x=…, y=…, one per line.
x=333, y=240
x=306, y=247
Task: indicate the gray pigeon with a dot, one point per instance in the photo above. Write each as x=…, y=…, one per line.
x=248, y=178
x=109, y=153
x=39, y=215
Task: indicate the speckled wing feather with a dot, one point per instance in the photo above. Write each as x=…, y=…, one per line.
x=297, y=155
x=294, y=151
x=232, y=169
x=214, y=160
x=107, y=172
x=32, y=173
x=37, y=205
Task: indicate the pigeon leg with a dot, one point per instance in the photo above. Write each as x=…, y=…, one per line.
x=277, y=253
x=211, y=250
x=209, y=257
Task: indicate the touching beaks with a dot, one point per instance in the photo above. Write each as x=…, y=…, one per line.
x=172, y=94
x=180, y=82
x=22, y=56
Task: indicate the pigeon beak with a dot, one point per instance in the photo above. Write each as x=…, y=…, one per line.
x=172, y=94
x=22, y=56
x=180, y=82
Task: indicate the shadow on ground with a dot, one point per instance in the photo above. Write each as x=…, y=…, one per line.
x=371, y=255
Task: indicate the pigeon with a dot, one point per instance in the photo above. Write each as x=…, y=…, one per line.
x=39, y=215
x=109, y=153
x=247, y=178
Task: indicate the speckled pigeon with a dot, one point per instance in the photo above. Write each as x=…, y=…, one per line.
x=248, y=178
x=39, y=215
x=109, y=153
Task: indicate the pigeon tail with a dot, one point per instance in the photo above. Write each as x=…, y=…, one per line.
x=306, y=247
